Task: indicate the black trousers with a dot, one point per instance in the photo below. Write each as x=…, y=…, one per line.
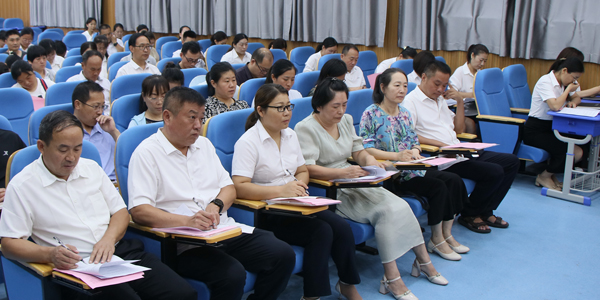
x=224, y=269
x=159, y=283
x=327, y=234
x=538, y=133
x=493, y=173
x=445, y=191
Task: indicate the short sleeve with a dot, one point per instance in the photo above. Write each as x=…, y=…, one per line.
x=310, y=64
x=410, y=107
x=546, y=90
x=309, y=141
x=363, y=82
x=294, y=140
x=367, y=129
x=16, y=222
x=142, y=180
x=244, y=160
x=456, y=80
x=113, y=199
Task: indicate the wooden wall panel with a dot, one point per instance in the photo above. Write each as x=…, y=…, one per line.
x=15, y=9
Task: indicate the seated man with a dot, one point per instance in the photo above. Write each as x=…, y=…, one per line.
x=102, y=43
x=55, y=60
x=13, y=42
x=26, y=38
x=116, y=44
x=91, y=67
x=437, y=125
x=11, y=142
x=37, y=57
x=355, y=80
x=140, y=46
x=176, y=169
x=259, y=65
x=81, y=208
x=191, y=56
x=99, y=129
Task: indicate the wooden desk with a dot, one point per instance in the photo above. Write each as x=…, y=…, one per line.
x=211, y=239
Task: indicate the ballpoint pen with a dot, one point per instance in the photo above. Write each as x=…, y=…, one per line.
x=65, y=246
x=295, y=179
x=196, y=201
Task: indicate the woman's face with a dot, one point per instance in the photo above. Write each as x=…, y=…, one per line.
x=333, y=111
x=241, y=46
x=225, y=87
x=154, y=101
x=91, y=26
x=286, y=79
x=567, y=78
x=119, y=32
x=221, y=42
x=396, y=89
x=330, y=50
x=478, y=61
x=270, y=116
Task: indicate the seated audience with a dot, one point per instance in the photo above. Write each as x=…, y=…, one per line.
x=26, y=38
x=101, y=42
x=152, y=39
x=278, y=44
x=54, y=60
x=140, y=47
x=221, y=88
x=81, y=208
x=191, y=55
x=419, y=62
x=4, y=68
x=141, y=28
x=2, y=38
x=13, y=42
x=259, y=65
x=11, y=142
x=173, y=75
x=36, y=56
x=283, y=72
x=435, y=124
x=328, y=138
x=237, y=53
x=61, y=49
x=91, y=68
x=99, y=129
x=115, y=44
x=268, y=163
x=182, y=30
x=219, y=38
x=22, y=72
x=87, y=46
x=574, y=52
x=355, y=80
x=11, y=59
x=387, y=132
x=406, y=53
x=90, y=28
x=332, y=68
x=328, y=46
x=154, y=88
x=190, y=175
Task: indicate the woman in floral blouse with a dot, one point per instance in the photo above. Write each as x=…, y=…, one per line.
x=388, y=133
x=221, y=87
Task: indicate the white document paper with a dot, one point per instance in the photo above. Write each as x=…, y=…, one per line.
x=186, y=211
x=116, y=267
x=580, y=111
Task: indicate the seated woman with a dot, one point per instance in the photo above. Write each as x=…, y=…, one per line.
x=407, y=53
x=278, y=44
x=333, y=68
x=154, y=88
x=237, y=53
x=219, y=38
x=268, y=163
x=283, y=72
x=328, y=46
x=387, y=132
x=574, y=52
x=552, y=92
x=22, y=72
x=90, y=28
x=328, y=139
x=221, y=88
x=86, y=47
x=173, y=75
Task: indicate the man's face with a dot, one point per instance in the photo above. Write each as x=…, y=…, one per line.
x=182, y=32
x=141, y=51
x=88, y=112
x=185, y=127
x=101, y=48
x=189, y=59
x=27, y=80
x=91, y=68
x=106, y=32
x=62, y=154
x=261, y=69
x=350, y=59
x=14, y=42
x=435, y=86
x=39, y=64
x=26, y=40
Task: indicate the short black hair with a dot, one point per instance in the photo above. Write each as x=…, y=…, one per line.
x=190, y=47
x=260, y=54
x=88, y=54
x=11, y=59
x=89, y=20
x=27, y=30
x=178, y=96
x=408, y=52
x=12, y=32
x=3, y=35
x=57, y=121
x=436, y=66
x=82, y=91
x=134, y=37
x=150, y=35
x=101, y=39
x=49, y=45
x=190, y=34
x=104, y=26
x=421, y=60
x=19, y=67
x=332, y=68
x=141, y=27
x=4, y=68
x=61, y=48
x=325, y=92
x=217, y=37
x=117, y=25
x=347, y=48
x=215, y=74
x=87, y=45
x=151, y=83
x=35, y=51
x=278, y=44
x=184, y=26
x=173, y=74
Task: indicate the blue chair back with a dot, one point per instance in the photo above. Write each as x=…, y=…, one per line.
x=123, y=109
x=163, y=40
x=202, y=89
x=73, y=52
x=127, y=85
x=3, y=49
x=214, y=54
x=75, y=32
x=406, y=65
x=36, y=34
x=72, y=60
x=168, y=48
x=223, y=130
x=17, y=107
x=516, y=86
x=204, y=44
x=326, y=58
x=5, y=123
x=52, y=35
x=64, y=73
x=112, y=71
x=163, y=62
x=60, y=93
x=489, y=93
x=2, y=22
x=126, y=38
x=440, y=58
x=115, y=57
x=38, y=115
x=126, y=46
x=57, y=30
x=367, y=62
x=6, y=80
x=304, y=82
x=302, y=109
x=279, y=54
x=74, y=40
x=253, y=46
x=248, y=89
x=358, y=101
x=189, y=74
x=411, y=86
x=299, y=56
x=13, y=22
x=3, y=57
x=237, y=66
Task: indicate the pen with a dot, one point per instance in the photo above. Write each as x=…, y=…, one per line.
x=295, y=179
x=196, y=201
x=65, y=246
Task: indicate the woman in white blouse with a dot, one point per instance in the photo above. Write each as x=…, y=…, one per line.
x=328, y=46
x=268, y=163
x=90, y=27
x=283, y=73
x=237, y=53
x=552, y=92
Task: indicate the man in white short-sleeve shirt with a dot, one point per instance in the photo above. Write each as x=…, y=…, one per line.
x=355, y=80
x=176, y=179
x=115, y=44
x=91, y=66
x=140, y=46
x=62, y=198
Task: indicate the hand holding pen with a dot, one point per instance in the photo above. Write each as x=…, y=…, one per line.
x=298, y=182
x=205, y=219
x=64, y=257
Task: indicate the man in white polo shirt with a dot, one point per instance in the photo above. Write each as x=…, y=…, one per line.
x=60, y=198
x=437, y=125
x=355, y=80
x=140, y=47
x=91, y=66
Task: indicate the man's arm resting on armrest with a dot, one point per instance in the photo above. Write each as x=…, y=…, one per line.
x=24, y=250
x=427, y=141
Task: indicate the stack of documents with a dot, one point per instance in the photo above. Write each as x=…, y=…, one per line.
x=195, y=231
x=375, y=173
x=115, y=271
x=304, y=201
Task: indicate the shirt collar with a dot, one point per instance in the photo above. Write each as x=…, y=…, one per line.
x=466, y=70
x=95, y=129
x=166, y=144
x=264, y=135
x=48, y=178
x=553, y=80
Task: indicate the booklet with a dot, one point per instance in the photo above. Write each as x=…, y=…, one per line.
x=191, y=231
x=375, y=173
x=304, y=201
x=116, y=267
x=475, y=146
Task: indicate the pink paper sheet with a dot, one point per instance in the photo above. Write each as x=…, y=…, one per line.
x=476, y=146
x=305, y=201
x=439, y=161
x=194, y=231
x=95, y=282
x=372, y=78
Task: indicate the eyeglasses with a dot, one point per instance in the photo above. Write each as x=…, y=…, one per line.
x=97, y=106
x=191, y=60
x=262, y=70
x=144, y=47
x=156, y=98
x=283, y=108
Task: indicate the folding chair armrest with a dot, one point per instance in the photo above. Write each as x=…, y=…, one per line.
x=501, y=119
x=148, y=229
x=429, y=148
x=466, y=136
x=252, y=204
x=41, y=269
x=321, y=183
x=524, y=111
x=304, y=210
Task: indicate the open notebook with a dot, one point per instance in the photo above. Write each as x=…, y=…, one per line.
x=375, y=173
x=116, y=271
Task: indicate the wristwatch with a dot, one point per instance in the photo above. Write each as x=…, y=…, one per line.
x=218, y=203
x=115, y=44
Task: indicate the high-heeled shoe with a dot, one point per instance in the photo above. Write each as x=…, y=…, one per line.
x=437, y=278
x=339, y=290
x=384, y=289
x=460, y=249
x=449, y=256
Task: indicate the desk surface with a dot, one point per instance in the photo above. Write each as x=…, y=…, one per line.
x=578, y=125
x=212, y=239
x=304, y=210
